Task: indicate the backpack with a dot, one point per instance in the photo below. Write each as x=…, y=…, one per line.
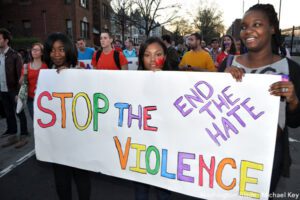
x=116, y=57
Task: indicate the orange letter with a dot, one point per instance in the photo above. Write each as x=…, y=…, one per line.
x=220, y=168
x=123, y=157
x=62, y=97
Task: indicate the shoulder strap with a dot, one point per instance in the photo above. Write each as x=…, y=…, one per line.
x=229, y=60
x=98, y=54
x=117, y=59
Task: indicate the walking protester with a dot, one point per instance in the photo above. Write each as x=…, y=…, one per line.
x=10, y=72
x=172, y=56
x=228, y=47
x=261, y=35
x=60, y=53
x=129, y=51
x=117, y=45
x=32, y=69
x=84, y=53
x=215, y=50
x=108, y=58
x=240, y=47
x=196, y=59
x=152, y=56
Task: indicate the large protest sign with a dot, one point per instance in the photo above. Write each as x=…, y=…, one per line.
x=200, y=134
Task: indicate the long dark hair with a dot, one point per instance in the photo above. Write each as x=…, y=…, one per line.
x=270, y=12
x=143, y=48
x=232, y=49
x=70, y=50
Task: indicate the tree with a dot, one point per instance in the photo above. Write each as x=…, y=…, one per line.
x=151, y=10
x=183, y=27
x=121, y=16
x=209, y=22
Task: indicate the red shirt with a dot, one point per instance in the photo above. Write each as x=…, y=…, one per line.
x=106, y=61
x=33, y=75
x=221, y=57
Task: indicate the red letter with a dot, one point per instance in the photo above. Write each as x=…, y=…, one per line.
x=209, y=170
x=45, y=110
x=146, y=117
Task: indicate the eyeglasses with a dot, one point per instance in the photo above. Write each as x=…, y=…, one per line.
x=35, y=50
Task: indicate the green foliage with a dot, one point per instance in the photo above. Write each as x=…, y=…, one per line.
x=209, y=22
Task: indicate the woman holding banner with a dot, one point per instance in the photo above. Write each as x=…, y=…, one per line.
x=152, y=56
x=261, y=35
x=60, y=53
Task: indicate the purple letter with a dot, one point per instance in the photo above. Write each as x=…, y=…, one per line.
x=227, y=97
x=219, y=133
x=206, y=108
x=131, y=116
x=221, y=104
x=236, y=116
x=184, y=167
x=181, y=107
x=250, y=109
x=209, y=87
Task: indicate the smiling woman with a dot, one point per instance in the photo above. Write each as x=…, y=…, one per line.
x=261, y=35
x=60, y=53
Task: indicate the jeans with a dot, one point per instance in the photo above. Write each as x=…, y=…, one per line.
x=30, y=106
x=63, y=181
x=142, y=192
x=9, y=104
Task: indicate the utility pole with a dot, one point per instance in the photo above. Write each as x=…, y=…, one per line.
x=279, y=12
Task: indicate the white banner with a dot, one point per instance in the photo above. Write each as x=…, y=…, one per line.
x=200, y=134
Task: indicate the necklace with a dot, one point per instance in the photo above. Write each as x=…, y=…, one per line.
x=35, y=66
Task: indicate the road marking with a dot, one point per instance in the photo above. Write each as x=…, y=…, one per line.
x=293, y=140
x=17, y=163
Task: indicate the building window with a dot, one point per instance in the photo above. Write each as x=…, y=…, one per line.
x=27, y=27
x=84, y=29
x=84, y=3
x=68, y=1
x=105, y=12
x=69, y=28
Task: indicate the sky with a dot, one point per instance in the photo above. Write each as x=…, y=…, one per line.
x=232, y=9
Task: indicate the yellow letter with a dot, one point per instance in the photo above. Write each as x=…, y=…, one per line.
x=89, y=108
x=244, y=179
x=139, y=148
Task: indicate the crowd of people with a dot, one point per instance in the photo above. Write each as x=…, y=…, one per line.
x=256, y=51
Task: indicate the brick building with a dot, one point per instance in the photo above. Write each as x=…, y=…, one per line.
x=39, y=18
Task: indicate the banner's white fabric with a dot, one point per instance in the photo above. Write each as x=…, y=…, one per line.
x=200, y=134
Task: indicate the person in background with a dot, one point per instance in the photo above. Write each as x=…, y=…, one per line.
x=10, y=73
x=129, y=50
x=172, y=56
x=108, y=58
x=84, y=53
x=228, y=47
x=196, y=59
x=215, y=50
x=240, y=47
x=117, y=45
x=152, y=56
x=261, y=35
x=60, y=53
x=32, y=69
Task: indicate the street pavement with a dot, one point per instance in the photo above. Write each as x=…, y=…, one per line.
x=22, y=177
